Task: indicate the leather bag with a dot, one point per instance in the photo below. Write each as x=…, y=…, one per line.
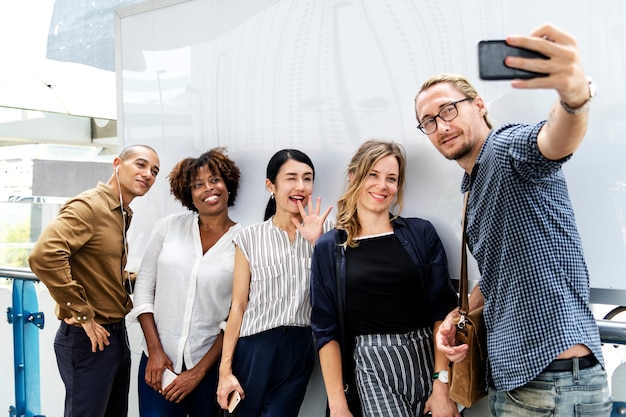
x=468, y=377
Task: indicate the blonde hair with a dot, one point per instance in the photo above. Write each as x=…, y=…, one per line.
x=362, y=163
x=460, y=83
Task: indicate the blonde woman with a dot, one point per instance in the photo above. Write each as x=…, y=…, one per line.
x=395, y=290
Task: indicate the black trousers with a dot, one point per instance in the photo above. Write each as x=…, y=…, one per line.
x=96, y=384
x=273, y=368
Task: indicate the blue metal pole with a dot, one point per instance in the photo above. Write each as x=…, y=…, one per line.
x=27, y=322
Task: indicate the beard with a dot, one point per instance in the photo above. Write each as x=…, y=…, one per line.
x=455, y=155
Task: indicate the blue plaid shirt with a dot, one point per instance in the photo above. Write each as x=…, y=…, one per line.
x=522, y=232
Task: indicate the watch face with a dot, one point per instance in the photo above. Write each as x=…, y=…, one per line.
x=443, y=376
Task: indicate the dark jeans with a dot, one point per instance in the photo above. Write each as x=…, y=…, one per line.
x=273, y=368
x=96, y=384
x=201, y=402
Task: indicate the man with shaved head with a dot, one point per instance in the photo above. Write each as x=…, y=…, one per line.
x=81, y=258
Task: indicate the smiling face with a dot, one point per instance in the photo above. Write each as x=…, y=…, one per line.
x=461, y=137
x=209, y=192
x=380, y=188
x=136, y=172
x=294, y=183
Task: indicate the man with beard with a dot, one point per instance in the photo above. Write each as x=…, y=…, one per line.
x=544, y=353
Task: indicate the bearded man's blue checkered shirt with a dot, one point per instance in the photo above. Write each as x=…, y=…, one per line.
x=522, y=232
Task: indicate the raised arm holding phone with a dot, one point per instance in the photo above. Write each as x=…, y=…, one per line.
x=543, y=343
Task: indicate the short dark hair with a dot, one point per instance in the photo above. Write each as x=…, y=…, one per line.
x=130, y=150
x=185, y=171
x=274, y=165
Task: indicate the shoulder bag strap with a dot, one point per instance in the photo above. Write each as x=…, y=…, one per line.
x=340, y=307
x=463, y=284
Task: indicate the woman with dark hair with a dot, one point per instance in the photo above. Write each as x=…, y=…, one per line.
x=184, y=288
x=396, y=264
x=267, y=355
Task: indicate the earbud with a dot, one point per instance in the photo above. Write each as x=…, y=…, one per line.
x=117, y=169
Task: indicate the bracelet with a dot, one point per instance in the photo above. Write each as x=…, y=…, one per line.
x=577, y=110
x=585, y=105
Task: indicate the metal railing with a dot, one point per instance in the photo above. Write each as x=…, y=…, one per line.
x=27, y=321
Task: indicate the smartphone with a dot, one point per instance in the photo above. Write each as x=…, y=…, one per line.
x=491, y=65
x=167, y=378
x=233, y=401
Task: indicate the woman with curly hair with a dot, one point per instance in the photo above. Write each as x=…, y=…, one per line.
x=184, y=287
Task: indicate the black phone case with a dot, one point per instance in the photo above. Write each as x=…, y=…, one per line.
x=491, y=56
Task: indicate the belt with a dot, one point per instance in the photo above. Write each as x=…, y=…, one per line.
x=564, y=365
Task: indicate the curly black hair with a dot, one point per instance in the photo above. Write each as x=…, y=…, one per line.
x=185, y=171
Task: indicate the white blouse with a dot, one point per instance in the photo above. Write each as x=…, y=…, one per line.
x=280, y=275
x=189, y=293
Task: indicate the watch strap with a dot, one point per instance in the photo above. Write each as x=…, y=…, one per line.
x=577, y=110
x=585, y=105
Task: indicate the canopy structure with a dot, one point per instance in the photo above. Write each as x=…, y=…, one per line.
x=57, y=72
x=48, y=101
x=57, y=85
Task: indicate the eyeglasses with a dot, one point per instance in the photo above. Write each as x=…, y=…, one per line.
x=447, y=114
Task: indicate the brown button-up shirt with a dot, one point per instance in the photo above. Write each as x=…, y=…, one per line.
x=80, y=257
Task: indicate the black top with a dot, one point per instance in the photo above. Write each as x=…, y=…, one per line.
x=383, y=289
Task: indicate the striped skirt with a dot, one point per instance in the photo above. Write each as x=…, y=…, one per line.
x=394, y=372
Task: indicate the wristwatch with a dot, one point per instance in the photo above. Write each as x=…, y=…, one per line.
x=592, y=92
x=442, y=376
